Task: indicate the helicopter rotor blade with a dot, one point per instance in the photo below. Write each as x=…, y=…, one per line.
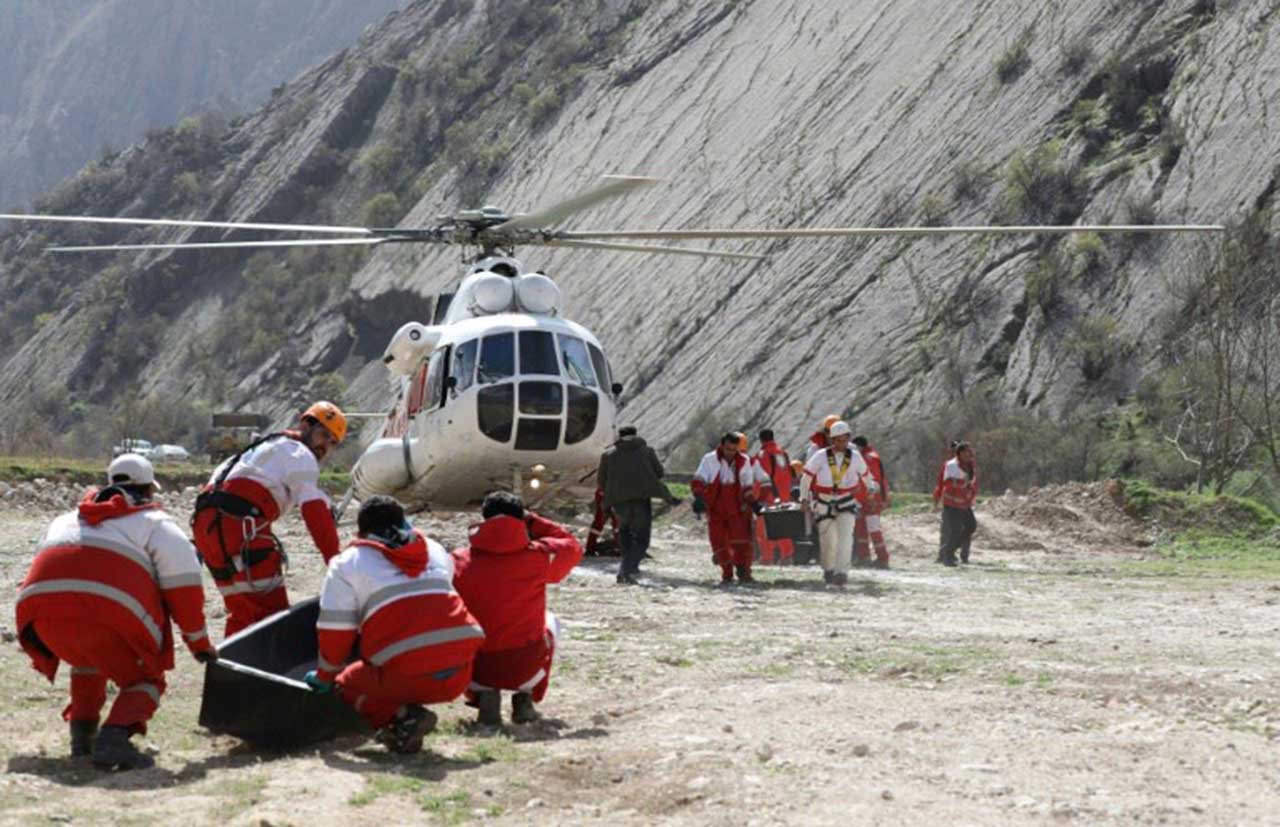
x=228, y=245
x=174, y=222
x=838, y=232
x=652, y=248
x=612, y=187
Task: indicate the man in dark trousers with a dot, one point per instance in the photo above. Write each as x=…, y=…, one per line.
x=630, y=475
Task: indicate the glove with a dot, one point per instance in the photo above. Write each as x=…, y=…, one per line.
x=699, y=505
x=207, y=656
x=317, y=685
x=757, y=506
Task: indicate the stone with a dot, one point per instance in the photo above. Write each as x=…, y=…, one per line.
x=861, y=750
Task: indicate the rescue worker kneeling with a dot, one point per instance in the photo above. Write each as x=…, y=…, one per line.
x=503, y=576
x=246, y=494
x=390, y=598
x=834, y=484
x=100, y=593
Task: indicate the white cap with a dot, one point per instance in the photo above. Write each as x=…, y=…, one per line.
x=840, y=428
x=131, y=469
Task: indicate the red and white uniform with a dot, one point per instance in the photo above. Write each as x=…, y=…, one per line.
x=503, y=577
x=106, y=580
x=275, y=477
x=957, y=485
x=774, y=467
x=867, y=531
x=396, y=611
x=726, y=486
x=816, y=443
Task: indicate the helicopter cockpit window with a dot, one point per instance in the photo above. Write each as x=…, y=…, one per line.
x=602, y=367
x=577, y=361
x=538, y=353
x=435, y=378
x=464, y=364
x=497, y=358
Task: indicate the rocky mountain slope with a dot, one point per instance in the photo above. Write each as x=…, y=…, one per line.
x=792, y=113
x=75, y=76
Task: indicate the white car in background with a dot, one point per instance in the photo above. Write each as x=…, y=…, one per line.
x=132, y=446
x=169, y=453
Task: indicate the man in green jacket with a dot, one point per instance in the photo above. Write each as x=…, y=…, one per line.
x=630, y=475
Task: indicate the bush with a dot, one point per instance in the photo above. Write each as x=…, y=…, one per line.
x=1046, y=283
x=1016, y=59
x=1040, y=188
x=1090, y=255
x=933, y=210
x=1075, y=56
x=969, y=181
x=1097, y=346
x=546, y=104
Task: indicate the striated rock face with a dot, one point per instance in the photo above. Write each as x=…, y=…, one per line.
x=789, y=113
x=75, y=76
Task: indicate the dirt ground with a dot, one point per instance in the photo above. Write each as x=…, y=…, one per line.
x=1062, y=678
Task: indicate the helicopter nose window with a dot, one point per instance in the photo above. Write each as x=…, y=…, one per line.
x=464, y=364
x=576, y=360
x=602, y=366
x=497, y=358
x=495, y=407
x=584, y=411
x=544, y=398
x=538, y=353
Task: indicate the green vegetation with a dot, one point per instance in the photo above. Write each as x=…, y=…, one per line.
x=1015, y=60
x=380, y=784
x=447, y=808
x=1042, y=187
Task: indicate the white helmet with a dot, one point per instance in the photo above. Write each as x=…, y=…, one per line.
x=840, y=428
x=131, y=469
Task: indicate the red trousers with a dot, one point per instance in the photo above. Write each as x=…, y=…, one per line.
x=378, y=693
x=249, y=596
x=867, y=532
x=524, y=669
x=730, y=535
x=96, y=654
x=771, y=551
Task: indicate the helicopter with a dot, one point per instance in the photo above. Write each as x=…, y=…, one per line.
x=500, y=390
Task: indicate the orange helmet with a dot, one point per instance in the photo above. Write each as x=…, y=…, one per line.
x=330, y=416
x=829, y=421
x=743, y=444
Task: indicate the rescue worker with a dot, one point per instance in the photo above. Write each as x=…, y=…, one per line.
x=630, y=475
x=775, y=470
x=232, y=523
x=956, y=493
x=106, y=580
x=834, y=484
x=867, y=532
x=503, y=577
x=394, y=636
x=723, y=491
x=820, y=439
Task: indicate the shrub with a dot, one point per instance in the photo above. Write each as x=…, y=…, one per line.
x=969, y=181
x=1016, y=59
x=1076, y=54
x=1046, y=283
x=546, y=104
x=382, y=210
x=1042, y=189
x=1090, y=254
x=933, y=210
x=1097, y=346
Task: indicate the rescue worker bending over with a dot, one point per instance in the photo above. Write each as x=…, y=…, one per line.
x=100, y=593
x=834, y=484
x=388, y=599
x=867, y=532
x=503, y=576
x=723, y=490
x=250, y=491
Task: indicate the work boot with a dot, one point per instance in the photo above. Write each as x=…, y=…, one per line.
x=628, y=578
x=112, y=750
x=744, y=574
x=82, y=735
x=964, y=557
x=839, y=579
x=948, y=559
x=522, y=709
x=489, y=702
x=880, y=564
x=405, y=733
x=827, y=574
x=862, y=563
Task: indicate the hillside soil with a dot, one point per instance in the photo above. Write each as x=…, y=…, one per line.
x=1064, y=677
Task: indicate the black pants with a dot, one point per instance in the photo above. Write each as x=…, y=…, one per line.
x=958, y=525
x=635, y=519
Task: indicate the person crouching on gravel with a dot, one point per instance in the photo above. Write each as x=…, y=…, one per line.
x=503, y=576
x=835, y=483
x=956, y=492
x=388, y=599
x=107, y=580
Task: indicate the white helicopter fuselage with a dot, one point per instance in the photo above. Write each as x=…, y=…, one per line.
x=513, y=400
